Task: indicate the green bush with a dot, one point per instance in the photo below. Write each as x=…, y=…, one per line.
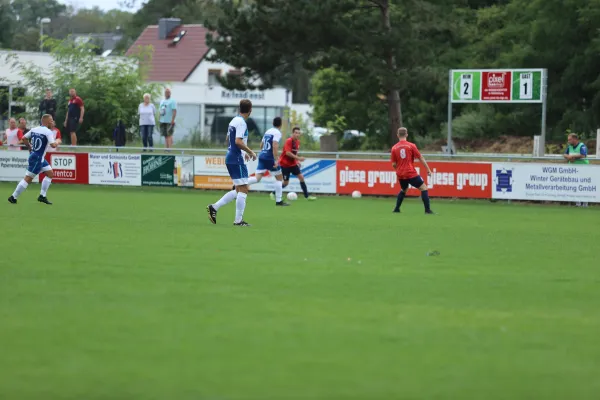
x=111, y=88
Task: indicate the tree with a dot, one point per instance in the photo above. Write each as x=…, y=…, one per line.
x=111, y=88
x=363, y=38
x=560, y=36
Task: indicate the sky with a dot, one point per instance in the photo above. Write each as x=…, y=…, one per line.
x=103, y=4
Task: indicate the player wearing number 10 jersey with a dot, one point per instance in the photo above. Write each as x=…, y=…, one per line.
x=267, y=160
x=40, y=138
x=404, y=153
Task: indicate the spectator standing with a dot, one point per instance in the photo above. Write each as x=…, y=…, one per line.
x=168, y=113
x=75, y=113
x=23, y=126
x=576, y=153
x=48, y=105
x=13, y=135
x=147, y=113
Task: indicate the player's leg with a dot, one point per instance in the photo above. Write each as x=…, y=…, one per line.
x=276, y=172
x=150, y=138
x=401, y=195
x=34, y=167
x=242, y=187
x=230, y=196
x=47, y=170
x=422, y=186
x=300, y=177
x=21, y=187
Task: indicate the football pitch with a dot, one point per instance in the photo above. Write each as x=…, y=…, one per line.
x=119, y=293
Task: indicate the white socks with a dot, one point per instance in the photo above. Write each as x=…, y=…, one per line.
x=252, y=180
x=240, y=206
x=45, y=186
x=20, y=188
x=278, y=191
x=228, y=198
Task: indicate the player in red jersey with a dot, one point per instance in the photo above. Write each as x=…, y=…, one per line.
x=289, y=162
x=404, y=154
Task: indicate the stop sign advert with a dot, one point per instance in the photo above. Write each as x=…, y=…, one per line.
x=69, y=167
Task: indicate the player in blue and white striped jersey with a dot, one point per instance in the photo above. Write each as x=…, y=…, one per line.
x=238, y=153
x=37, y=140
x=267, y=160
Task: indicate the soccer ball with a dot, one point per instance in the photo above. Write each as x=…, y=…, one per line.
x=356, y=194
x=292, y=196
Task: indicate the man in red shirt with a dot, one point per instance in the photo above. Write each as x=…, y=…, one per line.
x=74, y=117
x=404, y=154
x=290, y=162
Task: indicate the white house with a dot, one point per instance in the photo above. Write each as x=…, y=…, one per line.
x=179, y=61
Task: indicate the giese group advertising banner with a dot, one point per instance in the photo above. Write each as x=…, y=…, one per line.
x=546, y=182
x=115, y=169
x=448, y=179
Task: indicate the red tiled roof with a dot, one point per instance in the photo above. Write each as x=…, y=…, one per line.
x=173, y=63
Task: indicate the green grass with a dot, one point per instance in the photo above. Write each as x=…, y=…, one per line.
x=117, y=293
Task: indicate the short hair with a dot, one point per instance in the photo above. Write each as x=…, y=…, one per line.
x=147, y=95
x=296, y=128
x=245, y=106
x=46, y=117
x=574, y=136
x=402, y=131
x=22, y=119
x=12, y=119
x=277, y=122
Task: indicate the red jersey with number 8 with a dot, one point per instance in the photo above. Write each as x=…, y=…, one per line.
x=404, y=154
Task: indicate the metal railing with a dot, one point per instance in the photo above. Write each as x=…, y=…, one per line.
x=340, y=155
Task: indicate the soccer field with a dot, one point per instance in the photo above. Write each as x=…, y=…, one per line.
x=116, y=293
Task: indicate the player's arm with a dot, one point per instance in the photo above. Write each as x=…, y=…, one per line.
x=25, y=141
x=422, y=159
x=394, y=160
x=240, y=130
x=295, y=157
x=51, y=140
x=275, y=151
x=288, y=151
x=82, y=108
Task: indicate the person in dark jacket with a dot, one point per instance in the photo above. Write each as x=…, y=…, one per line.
x=48, y=105
x=119, y=135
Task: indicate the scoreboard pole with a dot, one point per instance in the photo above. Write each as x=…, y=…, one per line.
x=544, y=96
x=451, y=88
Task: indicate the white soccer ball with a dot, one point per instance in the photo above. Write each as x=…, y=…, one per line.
x=356, y=194
x=292, y=196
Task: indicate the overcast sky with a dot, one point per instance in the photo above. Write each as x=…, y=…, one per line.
x=103, y=4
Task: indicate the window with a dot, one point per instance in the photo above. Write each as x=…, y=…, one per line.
x=234, y=72
x=213, y=77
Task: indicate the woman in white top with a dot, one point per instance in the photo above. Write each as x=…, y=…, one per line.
x=13, y=135
x=147, y=113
